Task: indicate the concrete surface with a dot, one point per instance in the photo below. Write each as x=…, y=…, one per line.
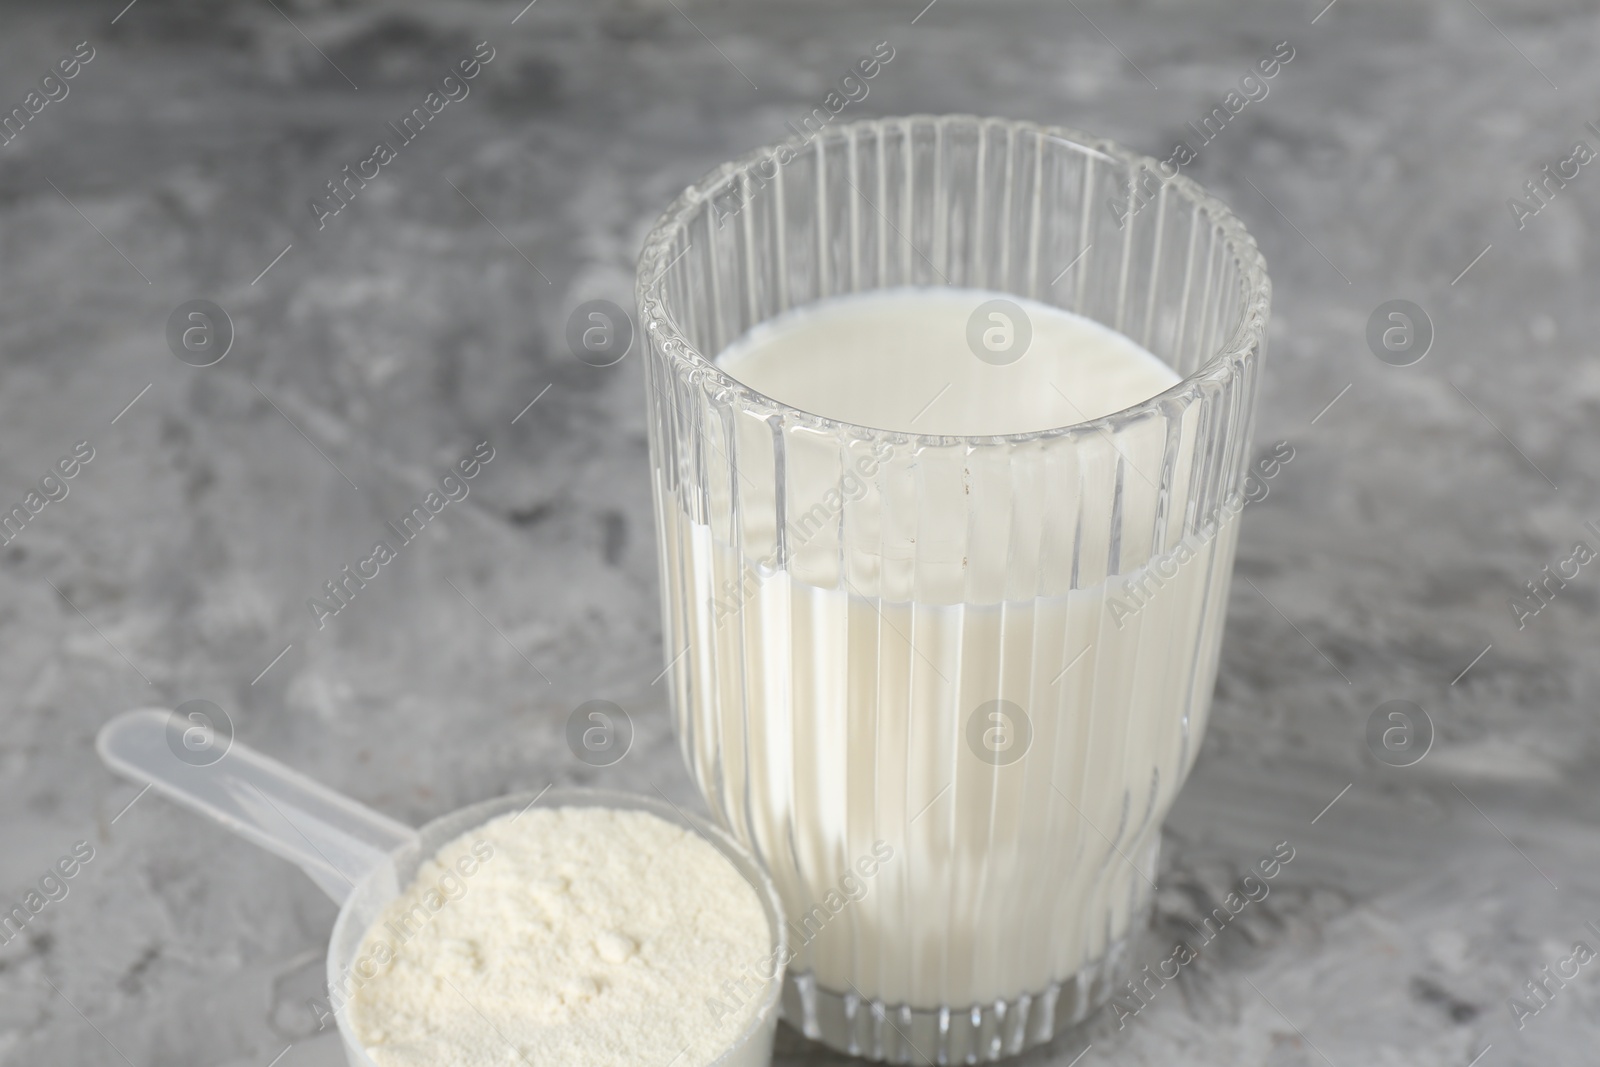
x=428, y=314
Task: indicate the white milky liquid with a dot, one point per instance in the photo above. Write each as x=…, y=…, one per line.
x=821, y=721
x=901, y=360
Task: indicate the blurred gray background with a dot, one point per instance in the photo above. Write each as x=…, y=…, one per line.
x=372, y=354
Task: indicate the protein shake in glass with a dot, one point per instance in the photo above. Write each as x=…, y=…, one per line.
x=948, y=451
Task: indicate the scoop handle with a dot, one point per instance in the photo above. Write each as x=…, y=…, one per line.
x=334, y=839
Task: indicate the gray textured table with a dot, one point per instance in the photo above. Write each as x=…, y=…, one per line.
x=428, y=314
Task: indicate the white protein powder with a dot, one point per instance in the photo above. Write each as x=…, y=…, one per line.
x=587, y=937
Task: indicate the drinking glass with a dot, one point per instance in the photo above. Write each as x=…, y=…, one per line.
x=947, y=687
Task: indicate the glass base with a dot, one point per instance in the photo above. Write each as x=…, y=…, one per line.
x=979, y=1033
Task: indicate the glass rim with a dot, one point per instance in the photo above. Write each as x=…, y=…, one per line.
x=1243, y=343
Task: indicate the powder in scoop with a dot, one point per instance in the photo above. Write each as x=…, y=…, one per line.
x=588, y=937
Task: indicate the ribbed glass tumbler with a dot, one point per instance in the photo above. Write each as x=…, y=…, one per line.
x=947, y=687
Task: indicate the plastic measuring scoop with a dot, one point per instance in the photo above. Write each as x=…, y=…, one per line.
x=362, y=858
